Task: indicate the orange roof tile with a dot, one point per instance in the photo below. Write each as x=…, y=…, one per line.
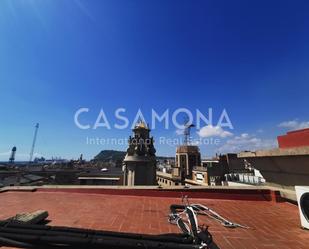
x=272, y=224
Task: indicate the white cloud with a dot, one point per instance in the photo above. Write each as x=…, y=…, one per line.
x=247, y=142
x=213, y=131
x=179, y=132
x=195, y=142
x=294, y=124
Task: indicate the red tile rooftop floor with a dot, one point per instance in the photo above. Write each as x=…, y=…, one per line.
x=272, y=224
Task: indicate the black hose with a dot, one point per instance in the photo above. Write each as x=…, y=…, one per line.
x=82, y=233
x=96, y=239
x=49, y=237
x=14, y=243
x=101, y=242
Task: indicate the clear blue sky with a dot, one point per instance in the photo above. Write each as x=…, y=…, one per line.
x=250, y=57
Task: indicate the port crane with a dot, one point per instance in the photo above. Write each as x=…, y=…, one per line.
x=33, y=142
x=12, y=156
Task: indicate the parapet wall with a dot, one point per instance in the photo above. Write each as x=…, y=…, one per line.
x=228, y=193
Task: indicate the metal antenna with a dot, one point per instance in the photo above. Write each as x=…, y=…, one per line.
x=187, y=128
x=33, y=142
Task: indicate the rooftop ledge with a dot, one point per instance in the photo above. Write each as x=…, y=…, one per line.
x=143, y=209
x=255, y=193
x=299, y=151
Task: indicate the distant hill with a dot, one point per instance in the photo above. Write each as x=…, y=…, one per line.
x=115, y=155
x=110, y=155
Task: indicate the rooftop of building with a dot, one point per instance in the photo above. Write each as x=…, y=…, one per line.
x=305, y=130
x=21, y=179
x=273, y=222
x=111, y=171
x=298, y=151
x=187, y=149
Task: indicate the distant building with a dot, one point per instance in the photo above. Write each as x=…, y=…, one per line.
x=216, y=169
x=200, y=175
x=166, y=179
x=294, y=139
x=187, y=157
x=286, y=167
x=105, y=176
x=19, y=179
x=140, y=160
x=230, y=163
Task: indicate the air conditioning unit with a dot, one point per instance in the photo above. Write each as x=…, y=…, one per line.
x=302, y=193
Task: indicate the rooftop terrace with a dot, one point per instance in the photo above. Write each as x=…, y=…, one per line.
x=273, y=222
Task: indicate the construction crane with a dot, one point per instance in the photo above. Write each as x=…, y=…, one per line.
x=33, y=142
x=12, y=157
x=187, y=128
